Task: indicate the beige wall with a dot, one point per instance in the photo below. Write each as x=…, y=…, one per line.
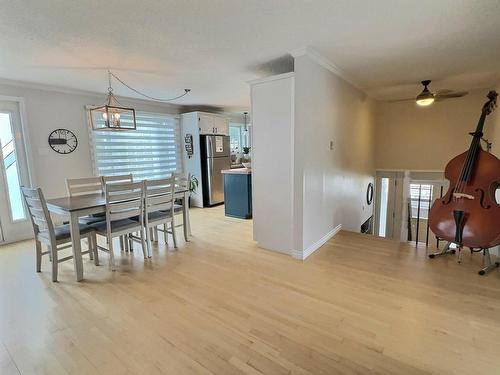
x=409, y=137
x=494, y=128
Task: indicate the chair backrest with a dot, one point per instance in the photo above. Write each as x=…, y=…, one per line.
x=182, y=180
x=119, y=179
x=83, y=186
x=124, y=201
x=39, y=213
x=159, y=195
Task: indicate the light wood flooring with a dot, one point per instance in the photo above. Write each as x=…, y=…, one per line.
x=220, y=305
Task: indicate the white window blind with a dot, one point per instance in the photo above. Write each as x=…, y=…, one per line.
x=151, y=151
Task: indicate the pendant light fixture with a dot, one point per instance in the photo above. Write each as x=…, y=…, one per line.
x=245, y=127
x=112, y=116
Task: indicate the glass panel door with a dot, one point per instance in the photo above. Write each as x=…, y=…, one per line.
x=14, y=224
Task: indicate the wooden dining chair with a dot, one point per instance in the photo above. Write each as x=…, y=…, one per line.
x=125, y=241
x=182, y=182
x=159, y=208
x=124, y=201
x=118, y=179
x=84, y=186
x=56, y=238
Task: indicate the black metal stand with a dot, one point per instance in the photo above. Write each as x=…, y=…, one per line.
x=446, y=251
x=488, y=264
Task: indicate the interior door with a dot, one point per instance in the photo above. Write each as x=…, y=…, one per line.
x=14, y=222
x=388, y=204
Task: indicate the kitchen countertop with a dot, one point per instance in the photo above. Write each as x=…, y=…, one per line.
x=237, y=171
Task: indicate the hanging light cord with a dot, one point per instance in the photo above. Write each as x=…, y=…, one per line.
x=110, y=74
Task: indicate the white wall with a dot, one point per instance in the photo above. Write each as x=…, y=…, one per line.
x=331, y=184
x=272, y=163
x=47, y=110
x=304, y=192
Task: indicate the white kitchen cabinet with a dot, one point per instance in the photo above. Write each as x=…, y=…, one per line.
x=213, y=124
x=206, y=124
x=221, y=125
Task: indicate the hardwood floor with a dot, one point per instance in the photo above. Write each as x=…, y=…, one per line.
x=220, y=305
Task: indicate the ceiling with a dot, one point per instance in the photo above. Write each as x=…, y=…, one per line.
x=214, y=47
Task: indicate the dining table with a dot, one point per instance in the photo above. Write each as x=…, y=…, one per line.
x=75, y=207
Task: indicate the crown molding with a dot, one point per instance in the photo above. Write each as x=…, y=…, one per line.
x=325, y=63
x=271, y=78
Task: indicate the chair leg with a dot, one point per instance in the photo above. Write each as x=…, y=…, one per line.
x=122, y=244
x=148, y=240
x=172, y=226
x=145, y=250
x=50, y=253
x=111, y=254
x=130, y=243
x=95, y=249
x=165, y=234
x=90, y=247
x=55, y=263
x=38, y=247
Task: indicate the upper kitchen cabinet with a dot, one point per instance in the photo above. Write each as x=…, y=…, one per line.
x=221, y=125
x=212, y=124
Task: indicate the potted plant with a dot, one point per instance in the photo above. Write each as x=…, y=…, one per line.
x=193, y=186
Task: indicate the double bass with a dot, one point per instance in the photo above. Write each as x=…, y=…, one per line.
x=468, y=214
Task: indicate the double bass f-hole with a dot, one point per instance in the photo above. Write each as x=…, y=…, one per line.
x=481, y=199
x=450, y=197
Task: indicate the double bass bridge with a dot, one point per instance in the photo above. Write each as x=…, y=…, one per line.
x=463, y=195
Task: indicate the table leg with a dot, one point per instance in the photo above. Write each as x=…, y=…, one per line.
x=76, y=244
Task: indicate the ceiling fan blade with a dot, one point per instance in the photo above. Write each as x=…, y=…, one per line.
x=400, y=100
x=451, y=95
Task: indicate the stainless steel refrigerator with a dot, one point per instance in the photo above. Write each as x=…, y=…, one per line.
x=215, y=157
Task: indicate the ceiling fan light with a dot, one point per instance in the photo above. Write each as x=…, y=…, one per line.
x=425, y=98
x=425, y=101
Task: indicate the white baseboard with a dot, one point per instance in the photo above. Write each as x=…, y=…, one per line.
x=315, y=246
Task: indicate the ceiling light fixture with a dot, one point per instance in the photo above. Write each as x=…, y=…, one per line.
x=112, y=116
x=245, y=127
x=426, y=97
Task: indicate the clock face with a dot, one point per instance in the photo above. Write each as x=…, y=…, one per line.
x=63, y=141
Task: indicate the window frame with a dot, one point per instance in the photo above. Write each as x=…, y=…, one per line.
x=178, y=137
x=244, y=138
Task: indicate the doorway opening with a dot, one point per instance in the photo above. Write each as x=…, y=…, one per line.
x=14, y=223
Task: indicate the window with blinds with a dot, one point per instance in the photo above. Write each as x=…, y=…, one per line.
x=151, y=151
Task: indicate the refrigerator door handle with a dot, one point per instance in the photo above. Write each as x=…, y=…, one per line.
x=210, y=174
x=210, y=152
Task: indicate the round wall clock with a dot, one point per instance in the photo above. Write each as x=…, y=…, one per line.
x=63, y=141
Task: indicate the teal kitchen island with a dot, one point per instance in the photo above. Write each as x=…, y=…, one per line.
x=238, y=192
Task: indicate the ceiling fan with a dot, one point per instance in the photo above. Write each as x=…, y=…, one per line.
x=427, y=97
